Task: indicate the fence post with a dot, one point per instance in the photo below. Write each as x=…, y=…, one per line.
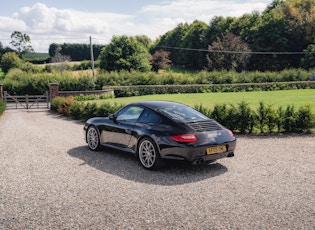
x=47, y=98
x=1, y=91
x=26, y=100
x=5, y=97
x=53, y=91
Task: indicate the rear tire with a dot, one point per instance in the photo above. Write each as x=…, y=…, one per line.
x=93, y=138
x=149, y=155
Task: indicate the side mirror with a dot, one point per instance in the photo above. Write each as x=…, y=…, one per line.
x=112, y=117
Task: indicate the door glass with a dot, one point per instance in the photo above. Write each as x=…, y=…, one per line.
x=129, y=114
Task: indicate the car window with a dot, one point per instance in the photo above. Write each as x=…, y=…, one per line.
x=149, y=116
x=129, y=114
x=183, y=114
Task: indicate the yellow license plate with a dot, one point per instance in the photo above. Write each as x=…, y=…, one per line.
x=216, y=149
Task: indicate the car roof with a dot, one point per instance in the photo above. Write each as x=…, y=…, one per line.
x=157, y=104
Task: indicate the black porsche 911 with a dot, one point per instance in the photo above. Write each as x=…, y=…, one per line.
x=158, y=130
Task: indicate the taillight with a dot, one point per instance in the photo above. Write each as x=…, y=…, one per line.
x=187, y=138
x=231, y=133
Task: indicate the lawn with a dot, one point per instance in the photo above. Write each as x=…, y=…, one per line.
x=276, y=98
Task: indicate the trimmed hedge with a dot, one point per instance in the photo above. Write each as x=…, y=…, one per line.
x=239, y=118
x=140, y=90
x=34, y=81
x=80, y=110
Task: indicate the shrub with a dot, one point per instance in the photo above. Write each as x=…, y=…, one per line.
x=305, y=119
x=261, y=116
x=280, y=118
x=105, y=109
x=238, y=118
x=83, y=111
x=219, y=113
x=89, y=110
x=232, y=121
x=289, y=119
x=271, y=118
x=244, y=117
x=75, y=110
x=62, y=104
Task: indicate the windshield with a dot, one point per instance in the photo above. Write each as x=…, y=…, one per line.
x=182, y=114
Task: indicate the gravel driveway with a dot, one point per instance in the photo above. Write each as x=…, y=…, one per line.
x=50, y=180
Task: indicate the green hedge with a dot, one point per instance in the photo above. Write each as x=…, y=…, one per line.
x=80, y=110
x=139, y=90
x=125, y=78
x=34, y=81
x=2, y=107
x=239, y=118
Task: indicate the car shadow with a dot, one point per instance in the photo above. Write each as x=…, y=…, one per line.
x=126, y=165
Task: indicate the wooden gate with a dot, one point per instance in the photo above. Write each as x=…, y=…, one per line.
x=26, y=101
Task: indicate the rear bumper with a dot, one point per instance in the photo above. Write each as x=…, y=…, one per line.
x=195, y=154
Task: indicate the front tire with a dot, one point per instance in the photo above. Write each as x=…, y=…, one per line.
x=148, y=154
x=93, y=138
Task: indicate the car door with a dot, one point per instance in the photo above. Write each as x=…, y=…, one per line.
x=119, y=133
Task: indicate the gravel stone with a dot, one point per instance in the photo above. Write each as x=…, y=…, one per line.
x=49, y=179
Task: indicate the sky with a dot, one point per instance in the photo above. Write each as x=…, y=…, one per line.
x=74, y=21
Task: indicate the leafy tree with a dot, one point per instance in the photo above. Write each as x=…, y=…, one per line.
x=144, y=40
x=125, y=53
x=10, y=60
x=74, y=51
x=172, y=40
x=54, y=49
x=287, y=26
x=190, y=54
x=21, y=42
x=308, y=61
x=246, y=27
x=160, y=60
x=228, y=53
x=218, y=27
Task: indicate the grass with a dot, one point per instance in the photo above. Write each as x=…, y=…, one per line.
x=283, y=98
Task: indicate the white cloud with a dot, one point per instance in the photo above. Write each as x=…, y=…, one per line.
x=47, y=25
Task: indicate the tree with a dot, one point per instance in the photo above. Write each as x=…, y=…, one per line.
x=228, y=53
x=21, y=43
x=172, y=40
x=160, y=60
x=144, y=40
x=125, y=53
x=308, y=61
x=73, y=51
x=56, y=55
x=54, y=49
x=10, y=60
x=193, y=40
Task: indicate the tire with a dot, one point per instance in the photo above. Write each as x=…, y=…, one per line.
x=93, y=138
x=148, y=154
